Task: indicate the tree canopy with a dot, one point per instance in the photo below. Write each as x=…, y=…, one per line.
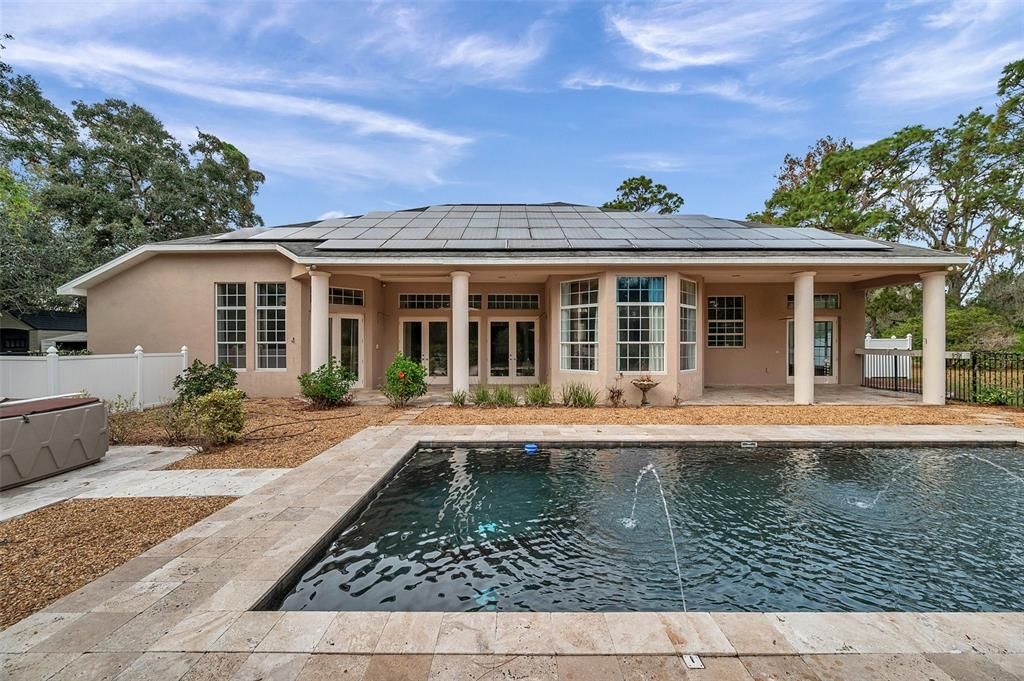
x=958, y=189
x=79, y=189
x=641, y=194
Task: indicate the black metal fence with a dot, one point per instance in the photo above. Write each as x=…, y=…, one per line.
x=976, y=376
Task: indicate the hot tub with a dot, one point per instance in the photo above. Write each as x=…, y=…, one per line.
x=49, y=435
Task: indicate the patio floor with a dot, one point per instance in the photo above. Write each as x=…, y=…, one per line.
x=182, y=610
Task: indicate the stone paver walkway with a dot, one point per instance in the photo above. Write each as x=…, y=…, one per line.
x=135, y=472
x=183, y=611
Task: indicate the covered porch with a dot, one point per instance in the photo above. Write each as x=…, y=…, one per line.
x=709, y=334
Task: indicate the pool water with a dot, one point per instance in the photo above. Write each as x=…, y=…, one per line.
x=766, y=529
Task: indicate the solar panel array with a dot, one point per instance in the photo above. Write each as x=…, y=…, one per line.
x=525, y=227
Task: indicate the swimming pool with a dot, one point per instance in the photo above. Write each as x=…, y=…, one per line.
x=656, y=528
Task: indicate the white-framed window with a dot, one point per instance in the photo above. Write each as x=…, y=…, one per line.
x=424, y=301
x=476, y=301
x=640, y=339
x=347, y=296
x=687, y=325
x=513, y=301
x=579, y=311
x=726, y=322
x=271, y=333
x=822, y=301
x=230, y=306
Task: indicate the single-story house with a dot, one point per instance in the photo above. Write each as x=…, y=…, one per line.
x=516, y=294
x=25, y=332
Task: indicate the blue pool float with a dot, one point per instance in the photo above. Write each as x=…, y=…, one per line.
x=530, y=449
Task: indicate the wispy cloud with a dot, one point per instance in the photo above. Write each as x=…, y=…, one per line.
x=331, y=214
x=583, y=81
x=651, y=162
x=204, y=82
x=691, y=34
x=960, y=57
x=494, y=59
x=735, y=91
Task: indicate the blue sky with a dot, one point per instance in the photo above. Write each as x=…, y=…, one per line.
x=355, y=107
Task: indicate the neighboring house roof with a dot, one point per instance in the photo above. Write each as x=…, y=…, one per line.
x=534, y=234
x=52, y=320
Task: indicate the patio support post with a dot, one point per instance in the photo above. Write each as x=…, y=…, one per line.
x=460, y=331
x=933, y=342
x=319, y=318
x=803, y=338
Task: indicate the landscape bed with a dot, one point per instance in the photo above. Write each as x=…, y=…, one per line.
x=780, y=527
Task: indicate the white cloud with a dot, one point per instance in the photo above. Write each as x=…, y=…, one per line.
x=200, y=81
x=494, y=59
x=690, y=34
x=651, y=161
x=331, y=214
x=582, y=81
x=735, y=91
x=970, y=41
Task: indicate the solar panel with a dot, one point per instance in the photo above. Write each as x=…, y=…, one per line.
x=529, y=227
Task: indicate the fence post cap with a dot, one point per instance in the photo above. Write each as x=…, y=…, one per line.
x=184, y=348
x=867, y=336
x=52, y=350
x=138, y=349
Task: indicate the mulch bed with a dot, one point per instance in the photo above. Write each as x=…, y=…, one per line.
x=785, y=415
x=51, y=552
x=279, y=433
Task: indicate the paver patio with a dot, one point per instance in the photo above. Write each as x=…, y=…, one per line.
x=206, y=580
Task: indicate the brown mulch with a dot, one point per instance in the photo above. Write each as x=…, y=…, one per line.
x=785, y=415
x=283, y=433
x=51, y=552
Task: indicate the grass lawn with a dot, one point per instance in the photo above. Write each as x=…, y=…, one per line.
x=783, y=415
x=51, y=552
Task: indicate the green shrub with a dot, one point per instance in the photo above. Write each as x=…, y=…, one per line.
x=177, y=422
x=995, y=395
x=404, y=381
x=504, y=397
x=122, y=418
x=202, y=379
x=328, y=386
x=538, y=395
x=482, y=396
x=579, y=395
x=219, y=416
x=459, y=398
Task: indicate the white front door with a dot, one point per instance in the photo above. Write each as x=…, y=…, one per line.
x=345, y=338
x=825, y=346
x=512, y=355
x=426, y=340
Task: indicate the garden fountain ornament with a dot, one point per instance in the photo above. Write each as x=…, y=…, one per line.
x=643, y=384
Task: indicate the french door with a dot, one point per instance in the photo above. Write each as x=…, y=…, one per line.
x=345, y=339
x=825, y=369
x=512, y=351
x=426, y=340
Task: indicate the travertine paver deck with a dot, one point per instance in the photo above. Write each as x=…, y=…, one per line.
x=183, y=611
x=135, y=472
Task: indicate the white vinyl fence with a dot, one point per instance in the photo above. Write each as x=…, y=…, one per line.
x=896, y=366
x=147, y=376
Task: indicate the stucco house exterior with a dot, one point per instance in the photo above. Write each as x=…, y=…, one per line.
x=518, y=293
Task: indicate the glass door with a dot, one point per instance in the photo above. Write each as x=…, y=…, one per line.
x=427, y=342
x=512, y=351
x=824, y=350
x=345, y=339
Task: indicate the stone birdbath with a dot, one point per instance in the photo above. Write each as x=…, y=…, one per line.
x=643, y=384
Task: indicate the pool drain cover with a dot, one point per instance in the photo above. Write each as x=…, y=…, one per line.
x=693, y=662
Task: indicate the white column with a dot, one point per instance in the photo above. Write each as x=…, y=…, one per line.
x=319, y=311
x=52, y=371
x=933, y=342
x=140, y=402
x=803, y=338
x=460, y=331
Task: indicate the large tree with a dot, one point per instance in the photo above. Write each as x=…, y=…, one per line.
x=641, y=194
x=958, y=189
x=100, y=181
